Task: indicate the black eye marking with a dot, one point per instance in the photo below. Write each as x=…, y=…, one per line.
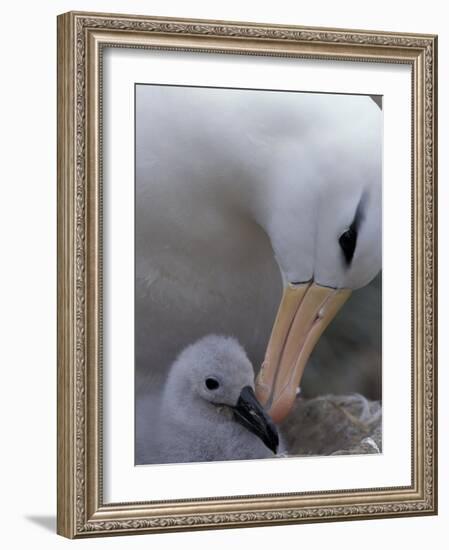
x=348, y=242
x=212, y=383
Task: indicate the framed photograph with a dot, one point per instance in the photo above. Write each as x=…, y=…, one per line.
x=246, y=274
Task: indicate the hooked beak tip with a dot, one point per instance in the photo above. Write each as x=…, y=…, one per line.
x=250, y=413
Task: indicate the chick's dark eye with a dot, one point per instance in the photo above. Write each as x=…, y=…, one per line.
x=212, y=383
x=348, y=241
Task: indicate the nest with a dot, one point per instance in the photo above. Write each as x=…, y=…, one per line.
x=334, y=425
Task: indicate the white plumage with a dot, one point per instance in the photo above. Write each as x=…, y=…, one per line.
x=298, y=164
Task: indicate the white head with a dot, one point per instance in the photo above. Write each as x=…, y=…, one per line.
x=325, y=224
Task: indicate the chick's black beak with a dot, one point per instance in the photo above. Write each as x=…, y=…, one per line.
x=250, y=413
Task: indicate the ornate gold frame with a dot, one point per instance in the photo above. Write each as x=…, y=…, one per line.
x=81, y=37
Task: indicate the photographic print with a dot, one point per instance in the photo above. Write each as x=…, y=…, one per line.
x=258, y=274
x=246, y=274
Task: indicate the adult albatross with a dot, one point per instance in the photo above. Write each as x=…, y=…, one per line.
x=304, y=167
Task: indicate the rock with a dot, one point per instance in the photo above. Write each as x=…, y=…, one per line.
x=334, y=425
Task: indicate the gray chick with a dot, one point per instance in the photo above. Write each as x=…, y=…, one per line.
x=209, y=410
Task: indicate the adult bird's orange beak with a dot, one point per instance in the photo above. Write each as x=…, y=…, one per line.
x=304, y=313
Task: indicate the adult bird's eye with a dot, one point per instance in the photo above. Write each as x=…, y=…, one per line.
x=348, y=241
x=212, y=383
